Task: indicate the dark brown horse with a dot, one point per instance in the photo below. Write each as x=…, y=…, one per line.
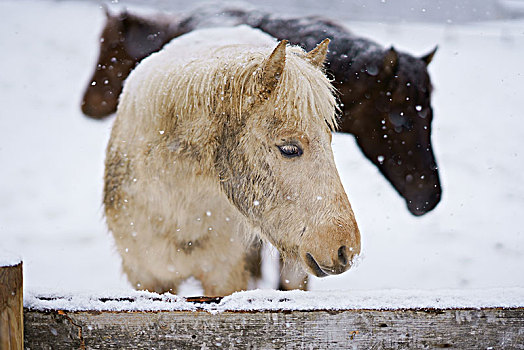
x=385, y=95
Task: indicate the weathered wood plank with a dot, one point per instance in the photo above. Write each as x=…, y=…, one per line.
x=11, y=307
x=486, y=328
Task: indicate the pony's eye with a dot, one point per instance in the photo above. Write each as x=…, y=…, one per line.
x=290, y=150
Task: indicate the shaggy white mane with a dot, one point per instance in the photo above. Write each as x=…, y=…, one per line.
x=214, y=71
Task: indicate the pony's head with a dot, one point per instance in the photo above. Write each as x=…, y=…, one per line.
x=256, y=123
x=391, y=94
x=275, y=163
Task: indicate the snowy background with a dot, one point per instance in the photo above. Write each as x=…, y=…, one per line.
x=51, y=157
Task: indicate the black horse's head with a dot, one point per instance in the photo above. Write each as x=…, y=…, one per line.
x=125, y=40
x=387, y=106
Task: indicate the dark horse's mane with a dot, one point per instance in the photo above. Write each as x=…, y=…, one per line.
x=385, y=95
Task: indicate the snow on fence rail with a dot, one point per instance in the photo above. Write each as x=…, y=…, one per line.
x=272, y=320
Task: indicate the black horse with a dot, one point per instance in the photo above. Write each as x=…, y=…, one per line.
x=385, y=95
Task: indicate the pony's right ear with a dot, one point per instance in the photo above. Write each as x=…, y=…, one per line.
x=272, y=68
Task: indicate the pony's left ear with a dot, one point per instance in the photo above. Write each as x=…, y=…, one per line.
x=429, y=57
x=317, y=56
x=272, y=68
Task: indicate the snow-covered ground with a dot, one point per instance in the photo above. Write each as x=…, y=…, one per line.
x=51, y=161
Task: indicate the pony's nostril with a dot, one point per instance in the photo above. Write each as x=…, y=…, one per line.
x=343, y=255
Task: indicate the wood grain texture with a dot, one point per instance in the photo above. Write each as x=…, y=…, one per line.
x=487, y=328
x=11, y=307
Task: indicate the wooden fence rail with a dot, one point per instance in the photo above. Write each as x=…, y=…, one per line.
x=420, y=328
x=350, y=329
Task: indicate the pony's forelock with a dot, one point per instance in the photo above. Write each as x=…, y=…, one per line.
x=227, y=84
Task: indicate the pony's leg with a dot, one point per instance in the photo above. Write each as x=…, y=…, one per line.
x=254, y=260
x=149, y=283
x=292, y=277
x=228, y=277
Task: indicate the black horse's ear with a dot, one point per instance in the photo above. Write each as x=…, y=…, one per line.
x=106, y=10
x=390, y=63
x=429, y=57
x=122, y=16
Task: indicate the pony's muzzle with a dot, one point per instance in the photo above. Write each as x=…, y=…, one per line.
x=333, y=251
x=340, y=262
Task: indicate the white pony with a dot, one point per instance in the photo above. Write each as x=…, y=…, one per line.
x=222, y=139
